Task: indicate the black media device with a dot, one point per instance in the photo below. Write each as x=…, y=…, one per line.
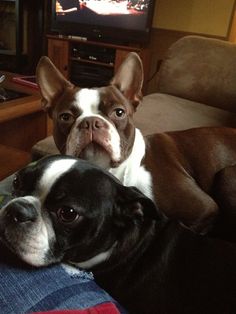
x=116, y=21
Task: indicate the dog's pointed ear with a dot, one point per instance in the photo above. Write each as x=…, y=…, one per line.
x=50, y=81
x=135, y=204
x=129, y=78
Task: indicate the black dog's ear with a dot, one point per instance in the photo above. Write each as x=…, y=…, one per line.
x=134, y=203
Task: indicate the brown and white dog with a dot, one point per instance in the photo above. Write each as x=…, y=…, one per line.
x=176, y=169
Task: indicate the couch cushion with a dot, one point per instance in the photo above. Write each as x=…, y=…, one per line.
x=200, y=69
x=44, y=147
x=160, y=112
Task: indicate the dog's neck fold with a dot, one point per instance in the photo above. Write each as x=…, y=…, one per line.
x=131, y=172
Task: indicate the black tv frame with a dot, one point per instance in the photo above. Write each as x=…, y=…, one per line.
x=116, y=35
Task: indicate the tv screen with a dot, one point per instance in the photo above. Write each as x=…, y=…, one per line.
x=122, y=21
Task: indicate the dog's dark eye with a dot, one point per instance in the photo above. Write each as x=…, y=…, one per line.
x=16, y=183
x=67, y=214
x=119, y=112
x=66, y=117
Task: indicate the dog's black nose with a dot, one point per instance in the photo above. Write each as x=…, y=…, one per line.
x=92, y=123
x=20, y=212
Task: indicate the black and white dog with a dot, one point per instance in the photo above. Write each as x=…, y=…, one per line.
x=66, y=209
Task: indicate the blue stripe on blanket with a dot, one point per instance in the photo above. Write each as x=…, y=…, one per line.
x=49, y=288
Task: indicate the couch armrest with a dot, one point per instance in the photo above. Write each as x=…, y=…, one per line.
x=200, y=69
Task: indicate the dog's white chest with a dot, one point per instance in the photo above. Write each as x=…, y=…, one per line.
x=131, y=172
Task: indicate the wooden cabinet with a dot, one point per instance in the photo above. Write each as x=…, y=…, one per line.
x=58, y=52
x=22, y=124
x=11, y=160
x=89, y=63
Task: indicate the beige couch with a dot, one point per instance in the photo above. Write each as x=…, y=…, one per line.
x=196, y=87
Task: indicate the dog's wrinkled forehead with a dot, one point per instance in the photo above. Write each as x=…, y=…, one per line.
x=66, y=172
x=39, y=177
x=95, y=101
x=51, y=174
x=88, y=100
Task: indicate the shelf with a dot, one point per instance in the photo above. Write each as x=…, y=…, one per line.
x=12, y=24
x=93, y=42
x=91, y=63
x=108, y=65
x=7, y=52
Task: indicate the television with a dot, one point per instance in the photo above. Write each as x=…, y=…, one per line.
x=116, y=21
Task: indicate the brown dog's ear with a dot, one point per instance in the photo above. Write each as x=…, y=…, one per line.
x=50, y=81
x=129, y=78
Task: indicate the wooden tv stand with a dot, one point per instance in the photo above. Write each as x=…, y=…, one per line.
x=22, y=124
x=66, y=52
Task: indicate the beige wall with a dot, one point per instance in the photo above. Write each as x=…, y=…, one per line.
x=210, y=17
